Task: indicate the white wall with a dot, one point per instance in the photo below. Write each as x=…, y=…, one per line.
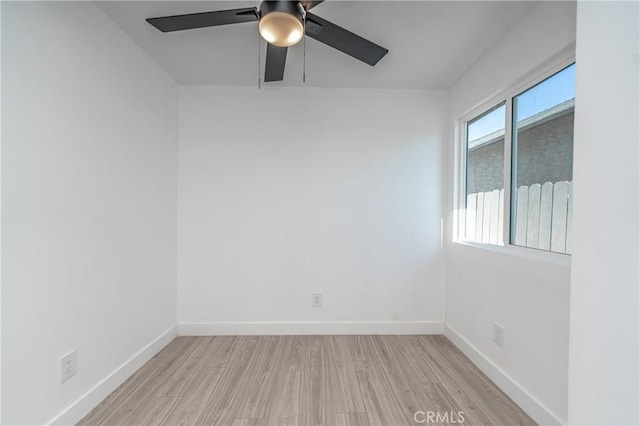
x=604, y=356
x=284, y=192
x=530, y=298
x=89, y=203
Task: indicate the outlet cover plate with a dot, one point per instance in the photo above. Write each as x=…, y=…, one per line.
x=316, y=300
x=498, y=334
x=68, y=366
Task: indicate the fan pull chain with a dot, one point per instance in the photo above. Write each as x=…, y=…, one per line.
x=303, y=12
x=259, y=65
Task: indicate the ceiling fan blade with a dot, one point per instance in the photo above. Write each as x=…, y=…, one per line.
x=274, y=66
x=310, y=4
x=204, y=19
x=343, y=40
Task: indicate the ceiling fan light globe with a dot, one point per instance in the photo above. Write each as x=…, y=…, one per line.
x=281, y=29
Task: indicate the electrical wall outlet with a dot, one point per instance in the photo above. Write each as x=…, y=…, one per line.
x=316, y=300
x=498, y=334
x=68, y=366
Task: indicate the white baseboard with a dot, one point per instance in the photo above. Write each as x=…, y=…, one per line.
x=313, y=328
x=534, y=408
x=76, y=411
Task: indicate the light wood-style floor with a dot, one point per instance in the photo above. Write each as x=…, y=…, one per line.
x=306, y=380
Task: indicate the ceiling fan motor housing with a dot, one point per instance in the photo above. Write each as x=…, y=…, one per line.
x=284, y=6
x=281, y=22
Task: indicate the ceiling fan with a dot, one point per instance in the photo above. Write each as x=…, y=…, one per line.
x=282, y=24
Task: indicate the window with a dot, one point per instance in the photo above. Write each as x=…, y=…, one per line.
x=542, y=164
x=485, y=176
x=524, y=141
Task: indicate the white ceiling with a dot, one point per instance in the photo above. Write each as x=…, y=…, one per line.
x=431, y=44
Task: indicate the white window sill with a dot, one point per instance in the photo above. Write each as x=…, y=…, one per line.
x=521, y=252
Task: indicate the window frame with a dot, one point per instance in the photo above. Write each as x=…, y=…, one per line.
x=506, y=96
